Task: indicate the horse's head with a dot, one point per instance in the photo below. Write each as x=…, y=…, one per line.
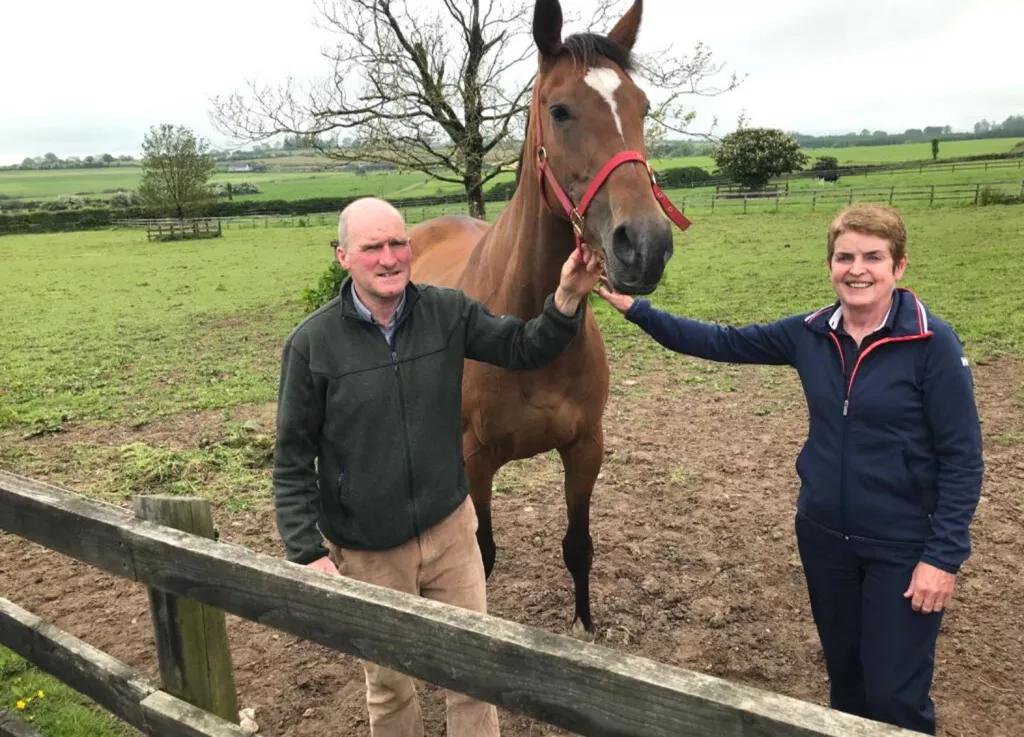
x=586, y=110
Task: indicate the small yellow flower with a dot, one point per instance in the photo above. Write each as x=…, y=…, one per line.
x=40, y=694
x=21, y=704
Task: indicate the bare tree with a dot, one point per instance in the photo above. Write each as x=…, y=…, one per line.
x=443, y=94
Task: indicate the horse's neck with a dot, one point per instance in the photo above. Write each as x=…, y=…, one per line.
x=523, y=253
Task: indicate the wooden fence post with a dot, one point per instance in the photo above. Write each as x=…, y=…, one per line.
x=977, y=193
x=191, y=638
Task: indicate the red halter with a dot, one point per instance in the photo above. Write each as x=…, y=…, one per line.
x=576, y=214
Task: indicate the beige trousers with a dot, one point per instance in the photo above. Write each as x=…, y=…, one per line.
x=443, y=564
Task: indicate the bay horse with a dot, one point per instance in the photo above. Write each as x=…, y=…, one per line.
x=585, y=123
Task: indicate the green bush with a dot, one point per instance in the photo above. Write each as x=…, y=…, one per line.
x=991, y=196
x=326, y=289
x=501, y=191
x=681, y=176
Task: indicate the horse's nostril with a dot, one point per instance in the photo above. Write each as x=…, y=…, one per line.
x=625, y=246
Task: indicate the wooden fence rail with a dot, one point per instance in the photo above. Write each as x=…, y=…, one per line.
x=555, y=679
x=110, y=683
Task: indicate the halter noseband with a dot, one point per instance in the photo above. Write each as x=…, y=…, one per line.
x=575, y=214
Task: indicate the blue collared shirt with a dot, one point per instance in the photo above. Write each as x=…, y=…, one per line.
x=389, y=329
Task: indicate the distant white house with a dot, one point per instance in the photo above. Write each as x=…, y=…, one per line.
x=242, y=166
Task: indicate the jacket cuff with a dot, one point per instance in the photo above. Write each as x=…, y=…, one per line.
x=552, y=311
x=308, y=555
x=638, y=306
x=947, y=567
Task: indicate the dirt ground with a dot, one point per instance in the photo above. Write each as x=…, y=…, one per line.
x=695, y=557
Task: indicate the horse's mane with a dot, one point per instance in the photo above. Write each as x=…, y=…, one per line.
x=584, y=49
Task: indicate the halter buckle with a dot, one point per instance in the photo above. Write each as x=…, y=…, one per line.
x=542, y=155
x=650, y=171
x=577, y=222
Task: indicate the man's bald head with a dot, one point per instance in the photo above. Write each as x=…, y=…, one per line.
x=364, y=213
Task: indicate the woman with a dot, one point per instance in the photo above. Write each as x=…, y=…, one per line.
x=890, y=472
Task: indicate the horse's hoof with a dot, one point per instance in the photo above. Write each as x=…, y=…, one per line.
x=580, y=632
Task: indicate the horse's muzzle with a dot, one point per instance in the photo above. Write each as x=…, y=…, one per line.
x=639, y=251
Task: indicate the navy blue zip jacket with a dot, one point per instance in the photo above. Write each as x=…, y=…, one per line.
x=892, y=454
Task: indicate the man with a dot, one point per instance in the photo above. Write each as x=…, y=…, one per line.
x=369, y=435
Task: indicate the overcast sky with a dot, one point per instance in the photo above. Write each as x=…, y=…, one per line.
x=91, y=77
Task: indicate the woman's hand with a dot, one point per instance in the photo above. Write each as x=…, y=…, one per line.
x=621, y=302
x=931, y=588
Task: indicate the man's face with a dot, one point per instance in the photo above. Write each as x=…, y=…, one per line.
x=378, y=255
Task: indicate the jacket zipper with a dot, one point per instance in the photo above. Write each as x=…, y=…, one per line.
x=401, y=400
x=405, y=433
x=846, y=410
x=842, y=439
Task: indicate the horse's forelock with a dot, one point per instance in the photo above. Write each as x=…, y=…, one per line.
x=586, y=48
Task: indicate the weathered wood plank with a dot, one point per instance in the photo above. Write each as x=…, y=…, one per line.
x=117, y=687
x=582, y=687
x=168, y=716
x=11, y=726
x=191, y=638
x=106, y=680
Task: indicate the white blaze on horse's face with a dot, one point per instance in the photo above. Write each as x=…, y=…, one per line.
x=605, y=81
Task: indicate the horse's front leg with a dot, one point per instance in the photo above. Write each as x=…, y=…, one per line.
x=582, y=463
x=480, y=471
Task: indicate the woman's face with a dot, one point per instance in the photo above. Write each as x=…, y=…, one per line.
x=862, y=270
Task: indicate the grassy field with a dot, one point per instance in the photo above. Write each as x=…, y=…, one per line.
x=144, y=328
x=104, y=325
x=290, y=185
x=914, y=151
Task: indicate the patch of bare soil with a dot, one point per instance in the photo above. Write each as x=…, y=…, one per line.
x=695, y=558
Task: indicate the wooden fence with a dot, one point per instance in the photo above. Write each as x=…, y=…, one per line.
x=180, y=230
x=584, y=688
x=836, y=196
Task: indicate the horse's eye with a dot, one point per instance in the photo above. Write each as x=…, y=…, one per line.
x=560, y=113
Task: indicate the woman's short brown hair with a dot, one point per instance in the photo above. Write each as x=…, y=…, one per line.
x=881, y=220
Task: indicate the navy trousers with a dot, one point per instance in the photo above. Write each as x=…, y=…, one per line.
x=879, y=652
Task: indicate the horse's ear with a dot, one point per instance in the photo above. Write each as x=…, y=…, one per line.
x=626, y=29
x=547, y=26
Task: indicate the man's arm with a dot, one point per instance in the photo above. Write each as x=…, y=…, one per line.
x=516, y=344
x=300, y=408
x=767, y=343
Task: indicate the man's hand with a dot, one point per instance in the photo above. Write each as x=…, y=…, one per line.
x=930, y=588
x=324, y=564
x=621, y=302
x=579, y=275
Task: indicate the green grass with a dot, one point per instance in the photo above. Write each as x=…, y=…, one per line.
x=736, y=269
x=51, y=183
x=291, y=185
x=60, y=711
x=107, y=325
x=914, y=151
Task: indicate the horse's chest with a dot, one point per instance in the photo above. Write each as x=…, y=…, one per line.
x=528, y=418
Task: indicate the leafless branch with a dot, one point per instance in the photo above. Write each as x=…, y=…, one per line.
x=440, y=92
